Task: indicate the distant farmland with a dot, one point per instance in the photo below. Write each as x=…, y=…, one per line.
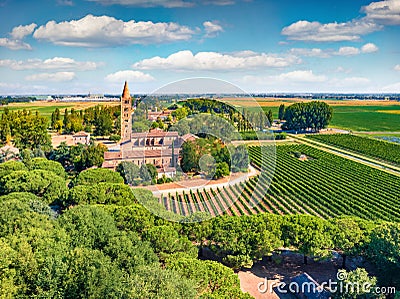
x=45, y=108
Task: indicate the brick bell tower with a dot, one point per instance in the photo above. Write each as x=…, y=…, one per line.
x=126, y=115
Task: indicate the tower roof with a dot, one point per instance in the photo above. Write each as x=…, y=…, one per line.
x=126, y=94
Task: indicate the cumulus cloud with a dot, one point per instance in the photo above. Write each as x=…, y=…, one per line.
x=65, y=2
x=212, y=28
x=369, y=48
x=52, y=77
x=394, y=88
x=128, y=75
x=93, y=31
x=300, y=76
x=330, y=32
x=57, y=63
x=213, y=61
x=17, y=34
x=14, y=44
x=347, y=51
x=383, y=12
x=21, y=31
x=397, y=67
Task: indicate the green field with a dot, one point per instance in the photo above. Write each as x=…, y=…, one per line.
x=47, y=108
x=367, y=118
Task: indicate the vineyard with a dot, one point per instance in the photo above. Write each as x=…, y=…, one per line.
x=370, y=147
x=323, y=185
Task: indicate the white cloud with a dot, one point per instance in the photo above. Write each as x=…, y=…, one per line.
x=383, y=12
x=21, y=31
x=56, y=63
x=330, y=32
x=341, y=69
x=397, y=67
x=128, y=75
x=347, y=51
x=53, y=77
x=213, y=61
x=300, y=77
x=314, y=52
x=14, y=44
x=212, y=28
x=369, y=48
x=93, y=31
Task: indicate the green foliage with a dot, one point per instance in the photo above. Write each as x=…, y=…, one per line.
x=91, y=156
x=148, y=173
x=45, y=184
x=357, y=284
x=165, y=240
x=364, y=145
x=221, y=170
x=211, y=278
x=129, y=252
x=155, y=283
x=302, y=116
x=281, y=113
x=98, y=175
x=240, y=159
x=296, y=232
x=88, y=226
x=384, y=250
x=48, y=165
x=91, y=274
x=115, y=137
x=101, y=193
x=134, y=218
x=10, y=166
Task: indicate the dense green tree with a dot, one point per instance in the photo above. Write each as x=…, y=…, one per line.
x=98, y=175
x=348, y=236
x=302, y=116
x=129, y=171
x=49, y=187
x=101, y=193
x=281, y=112
x=356, y=285
x=221, y=170
x=129, y=252
x=88, y=226
x=91, y=155
x=165, y=240
x=296, y=232
x=44, y=164
x=384, y=251
x=11, y=166
x=155, y=283
x=91, y=274
x=148, y=173
x=240, y=159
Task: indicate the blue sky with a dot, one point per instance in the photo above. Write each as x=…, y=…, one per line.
x=82, y=46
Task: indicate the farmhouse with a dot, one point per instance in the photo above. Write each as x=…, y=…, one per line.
x=155, y=147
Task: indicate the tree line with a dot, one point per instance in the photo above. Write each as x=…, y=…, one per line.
x=99, y=120
x=301, y=117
